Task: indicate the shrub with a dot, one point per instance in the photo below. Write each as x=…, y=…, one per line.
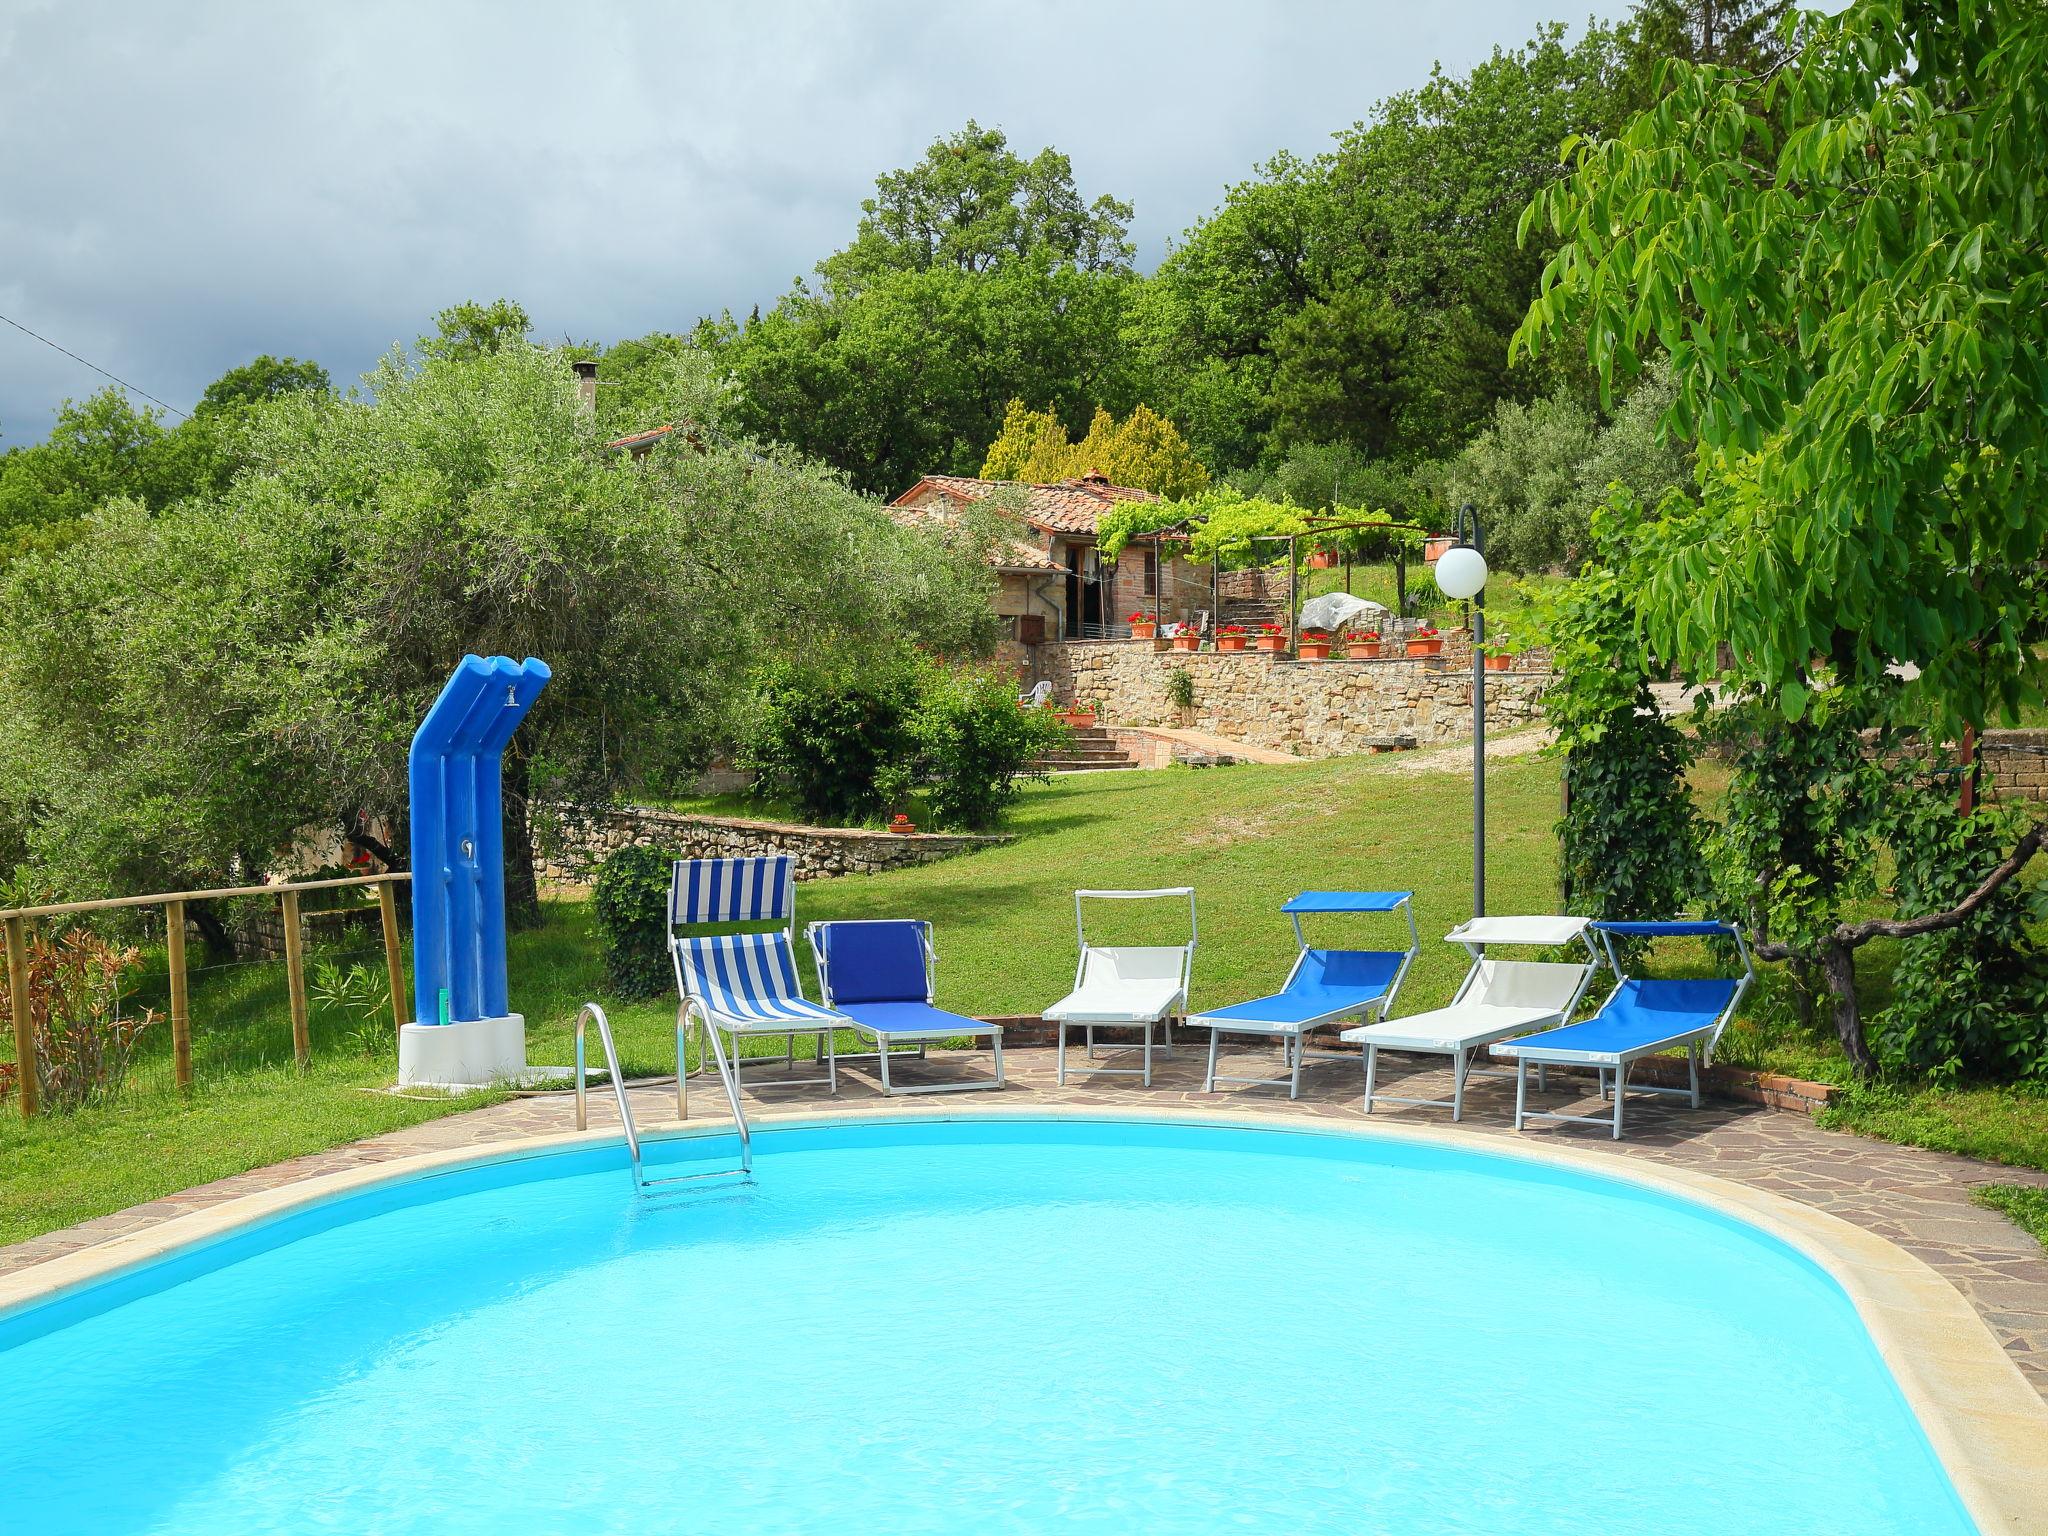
x=361, y=998
x=1180, y=686
x=826, y=732
x=973, y=742
x=1970, y=1001
x=629, y=906
x=84, y=1042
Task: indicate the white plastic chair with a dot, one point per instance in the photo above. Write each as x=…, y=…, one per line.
x=1126, y=986
x=1497, y=999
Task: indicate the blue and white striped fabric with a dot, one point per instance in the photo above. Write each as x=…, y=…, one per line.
x=748, y=979
x=732, y=891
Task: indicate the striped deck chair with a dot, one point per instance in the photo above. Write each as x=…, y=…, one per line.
x=744, y=985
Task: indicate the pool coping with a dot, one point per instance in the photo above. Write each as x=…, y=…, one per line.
x=1985, y=1422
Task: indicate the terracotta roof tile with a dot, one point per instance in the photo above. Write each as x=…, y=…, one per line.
x=1068, y=506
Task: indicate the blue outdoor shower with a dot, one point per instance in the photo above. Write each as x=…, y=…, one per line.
x=458, y=841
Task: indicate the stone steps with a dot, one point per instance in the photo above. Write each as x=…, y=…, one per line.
x=1090, y=749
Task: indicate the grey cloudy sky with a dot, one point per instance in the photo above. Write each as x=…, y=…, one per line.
x=185, y=186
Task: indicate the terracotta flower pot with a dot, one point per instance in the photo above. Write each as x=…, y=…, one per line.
x=1500, y=663
x=1323, y=560
x=1273, y=645
x=1078, y=719
x=1230, y=642
x=1425, y=645
x=1144, y=631
x=902, y=823
x=1187, y=642
x=1313, y=650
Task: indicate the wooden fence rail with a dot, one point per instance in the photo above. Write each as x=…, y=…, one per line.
x=16, y=921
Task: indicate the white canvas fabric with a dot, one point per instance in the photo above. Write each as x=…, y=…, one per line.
x=1127, y=985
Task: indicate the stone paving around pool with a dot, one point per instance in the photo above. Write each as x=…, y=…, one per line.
x=1917, y=1199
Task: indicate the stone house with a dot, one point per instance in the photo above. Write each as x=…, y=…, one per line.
x=1053, y=583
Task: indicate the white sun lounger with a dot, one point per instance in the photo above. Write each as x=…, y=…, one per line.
x=1497, y=999
x=1126, y=986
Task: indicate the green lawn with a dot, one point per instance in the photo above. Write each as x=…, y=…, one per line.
x=1246, y=837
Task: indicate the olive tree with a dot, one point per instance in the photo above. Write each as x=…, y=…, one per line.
x=181, y=694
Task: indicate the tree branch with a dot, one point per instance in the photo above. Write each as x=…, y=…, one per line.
x=1856, y=935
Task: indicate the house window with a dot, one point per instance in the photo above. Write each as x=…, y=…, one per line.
x=1151, y=573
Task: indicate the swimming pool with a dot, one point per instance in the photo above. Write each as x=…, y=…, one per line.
x=1002, y=1325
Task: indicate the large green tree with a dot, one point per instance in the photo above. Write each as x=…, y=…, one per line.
x=1844, y=260
x=975, y=277
x=1366, y=296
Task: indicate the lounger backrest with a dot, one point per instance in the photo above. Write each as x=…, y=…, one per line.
x=738, y=974
x=732, y=891
x=1132, y=962
x=1370, y=971
x=880, y=962
x=1527, y=984
x=1661, y=1010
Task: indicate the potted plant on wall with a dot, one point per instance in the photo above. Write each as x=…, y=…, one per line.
x=1078, y=717
x=1314, y=646
x=1425, y=641
x=1143, y=626
x=1186, y=637
x=1362, y=644
x=1272, y=639
x=1231, y=637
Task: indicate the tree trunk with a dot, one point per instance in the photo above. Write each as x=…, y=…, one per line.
x=1838, y=966
x=522, y=885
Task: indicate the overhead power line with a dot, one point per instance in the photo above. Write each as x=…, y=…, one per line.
x=96, y=368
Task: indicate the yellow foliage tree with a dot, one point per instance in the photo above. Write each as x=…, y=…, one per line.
x=1144, y=450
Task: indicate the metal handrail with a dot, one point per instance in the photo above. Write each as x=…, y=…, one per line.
x=584, y=1015
x=641, y=1183
x=728, y=1076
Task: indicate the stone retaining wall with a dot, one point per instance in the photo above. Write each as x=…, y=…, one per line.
x=2017, y=762
x=574, y=842
x=1310, y=708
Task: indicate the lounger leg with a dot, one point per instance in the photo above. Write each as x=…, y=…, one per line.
x=882, y=1061
x=1522, y=1087
x=1460, y=1062
x=789, y=1052
x=829, y=1043
x=1692, y=1063
x=997, y=1041
x=1148, y=1053
x=1090, y=1034
x=1620, y=1074
x=1372, y=1067
x=1166, y=1027
x=1209, y=1082
x=1542, y=1079
x=1061, y=1075
x=1294, y=1083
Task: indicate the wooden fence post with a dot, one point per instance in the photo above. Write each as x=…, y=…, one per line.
x=181, y=1015
x=295, y=980
x=27, y=1087
x=387, y=909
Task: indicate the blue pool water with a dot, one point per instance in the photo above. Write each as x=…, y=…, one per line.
x=999, y=1326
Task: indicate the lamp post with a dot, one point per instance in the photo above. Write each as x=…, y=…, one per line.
x=1461, y=573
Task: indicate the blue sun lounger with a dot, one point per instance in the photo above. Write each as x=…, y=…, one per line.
x=1641, y=1017
x=878, y=974
x=1325, y=987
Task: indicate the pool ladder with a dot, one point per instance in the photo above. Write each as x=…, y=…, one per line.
x=726, y=1076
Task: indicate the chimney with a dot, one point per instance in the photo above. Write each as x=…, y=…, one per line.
x=586, y=384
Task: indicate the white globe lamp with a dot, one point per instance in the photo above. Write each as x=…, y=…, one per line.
x=1461, y=572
